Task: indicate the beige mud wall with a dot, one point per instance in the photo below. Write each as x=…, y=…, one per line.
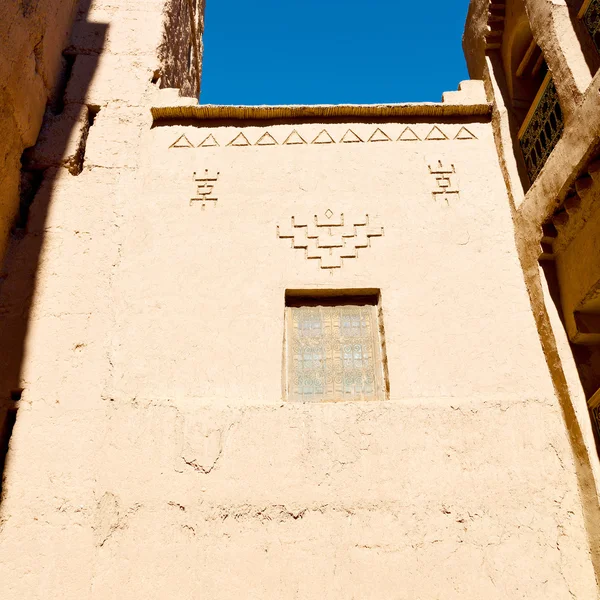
x=154, y=455
x=562, y=191
x=116, y=60
x=34, y=34
x=152, y=39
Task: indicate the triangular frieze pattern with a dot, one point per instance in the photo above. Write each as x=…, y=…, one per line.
x=209, y=142
x=324, y=138
x=394, y=133
x=239, y=140
x=294, y=139
x=266, y=140
x=182, y=142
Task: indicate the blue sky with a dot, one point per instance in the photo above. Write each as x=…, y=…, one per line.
x=331, y=51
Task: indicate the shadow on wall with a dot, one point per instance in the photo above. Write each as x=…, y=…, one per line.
x=18, y=275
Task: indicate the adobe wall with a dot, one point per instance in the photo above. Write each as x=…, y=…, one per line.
x=154, y=454
x=33, y=35
x=554, y=222
x=56, y=53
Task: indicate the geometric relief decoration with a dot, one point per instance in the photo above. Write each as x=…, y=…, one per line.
x=323, y=138
x=409, y=133
x=380, y=136
x=266, y=140
x=294, y=139
x=464, y=134
x=204, y=185
x=330, y=239
x=209, y=142
x=446, y=185
x=240, y=140
x=182, y=142
x=351, y=138
x=436, y=134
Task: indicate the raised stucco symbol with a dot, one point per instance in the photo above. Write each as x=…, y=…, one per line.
x=446, y=185
x=330, y=240
x=205, y=184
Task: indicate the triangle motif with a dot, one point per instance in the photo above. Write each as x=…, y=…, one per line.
x=266, y=140
x=350, y=138
x=323, y=138
x=436, y=134
x=465, y=134
x=408, y=135
x=380, y=136
x=209, y=142
x=294, y=139
x=239, y=140
x=182, y=142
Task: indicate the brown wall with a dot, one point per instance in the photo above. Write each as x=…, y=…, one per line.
x=181, y=49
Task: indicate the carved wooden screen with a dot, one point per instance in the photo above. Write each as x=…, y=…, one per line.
x=334, y=352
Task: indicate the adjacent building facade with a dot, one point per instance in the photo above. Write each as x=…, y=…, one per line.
x=309, y=351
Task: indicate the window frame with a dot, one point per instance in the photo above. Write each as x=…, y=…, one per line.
x=330, y=298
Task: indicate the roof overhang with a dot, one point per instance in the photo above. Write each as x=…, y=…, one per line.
x=211, y=112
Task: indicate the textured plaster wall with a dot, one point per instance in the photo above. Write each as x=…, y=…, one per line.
x=33, y=34
x=153, y=453
x=145, y=41
x=579, y=278
x=181, y=48
x=116, y=46
x=564, y=179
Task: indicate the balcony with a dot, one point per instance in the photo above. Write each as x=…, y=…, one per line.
x=590, y=15
x=541, y=128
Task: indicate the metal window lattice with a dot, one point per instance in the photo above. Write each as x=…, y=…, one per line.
x=595, y=414
x=591, y=18
x=333, y=353
x=543, y=131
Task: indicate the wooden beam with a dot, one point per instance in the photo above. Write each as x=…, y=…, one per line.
x=527, y=58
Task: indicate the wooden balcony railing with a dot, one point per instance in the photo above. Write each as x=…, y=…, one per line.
x=590, y=15
x=541, y=129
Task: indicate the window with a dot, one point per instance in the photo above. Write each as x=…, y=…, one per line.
x=542, y=128
x=535, y=105
x=334, y=349
x=590, y=14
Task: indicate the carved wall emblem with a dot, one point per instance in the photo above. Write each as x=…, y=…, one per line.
x=446, y=184
x=330, y=239
x=205, y=184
